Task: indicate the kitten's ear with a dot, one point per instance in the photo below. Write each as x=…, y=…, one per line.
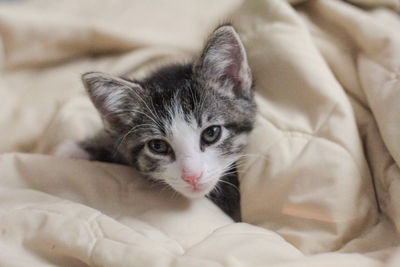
x=113, y=97
x=223, y=63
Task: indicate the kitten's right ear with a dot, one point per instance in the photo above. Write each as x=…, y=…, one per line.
x=113, y=97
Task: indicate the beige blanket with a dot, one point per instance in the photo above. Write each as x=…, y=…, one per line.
x=320, y=184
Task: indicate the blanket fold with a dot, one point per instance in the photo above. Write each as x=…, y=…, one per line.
x=320, y=179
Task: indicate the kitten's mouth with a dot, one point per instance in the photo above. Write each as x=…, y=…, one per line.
x=196, y=191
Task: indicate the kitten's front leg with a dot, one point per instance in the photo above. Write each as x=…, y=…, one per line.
x=71, y=149
x=100, y=147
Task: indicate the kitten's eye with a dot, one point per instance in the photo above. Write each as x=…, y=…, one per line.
x=159, y=146
x=211, y=135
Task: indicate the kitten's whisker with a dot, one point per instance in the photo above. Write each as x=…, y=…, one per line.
x=253, y=155
x=217, y=190
x=118, y=112
x=230, y=184
x=128, y=133
x=230, y=173
x=203, y=100
x=148, y=108
x=157, y=117
x=134, y=111
x=151, y=118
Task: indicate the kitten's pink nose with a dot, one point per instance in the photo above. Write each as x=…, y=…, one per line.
x=192, y=178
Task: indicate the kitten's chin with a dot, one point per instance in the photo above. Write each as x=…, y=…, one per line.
x=196, y=192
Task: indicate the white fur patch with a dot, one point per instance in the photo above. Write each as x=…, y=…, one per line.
x=184, y=138
x=70, y=149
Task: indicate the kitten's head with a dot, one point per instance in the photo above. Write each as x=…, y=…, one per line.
x=185, y=124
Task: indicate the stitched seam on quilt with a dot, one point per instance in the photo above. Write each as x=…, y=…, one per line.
x=313, y=135
x=395, y=71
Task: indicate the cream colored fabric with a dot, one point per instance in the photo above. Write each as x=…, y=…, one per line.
x=320, y=182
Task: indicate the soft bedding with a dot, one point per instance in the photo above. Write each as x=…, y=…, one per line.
x=320, y=182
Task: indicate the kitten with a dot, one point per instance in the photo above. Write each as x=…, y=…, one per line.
x=185, y=124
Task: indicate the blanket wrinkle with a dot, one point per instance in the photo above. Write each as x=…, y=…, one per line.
x=380, y=58
x=308, y=137
x=322, y=187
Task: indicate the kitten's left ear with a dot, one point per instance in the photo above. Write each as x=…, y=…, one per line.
x=223, y=63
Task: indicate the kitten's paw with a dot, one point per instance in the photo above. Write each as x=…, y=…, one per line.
x=71, y=149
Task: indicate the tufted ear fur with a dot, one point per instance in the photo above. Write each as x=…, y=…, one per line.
x=116, y=99
x=223, y=63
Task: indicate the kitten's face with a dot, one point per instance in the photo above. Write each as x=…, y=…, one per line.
x=201, y=136
x=192, y=155
x=184, y=125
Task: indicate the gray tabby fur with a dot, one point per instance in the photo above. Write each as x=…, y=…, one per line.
x=214, y=89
